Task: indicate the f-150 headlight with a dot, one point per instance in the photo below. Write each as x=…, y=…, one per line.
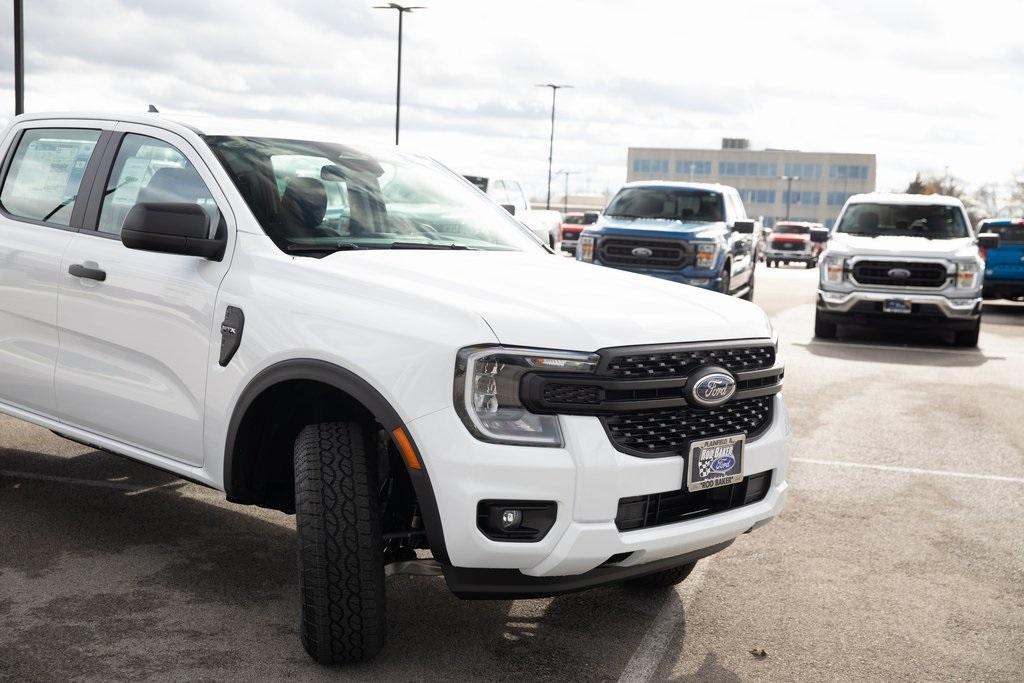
x=967, y=274
x=706, y=254
x=832, y=269
x=487, y=392
x=586, y=247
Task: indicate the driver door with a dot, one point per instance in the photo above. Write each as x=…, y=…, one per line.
x=137, y=329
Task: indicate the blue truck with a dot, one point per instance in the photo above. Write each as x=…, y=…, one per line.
x=1004, y=265
x=693, y=233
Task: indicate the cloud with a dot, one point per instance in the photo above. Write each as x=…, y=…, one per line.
x=921, y=84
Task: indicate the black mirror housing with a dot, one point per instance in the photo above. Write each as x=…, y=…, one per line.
x=988, y=240
x=171, y=228
x=744, y=227
x=819, y=235
x=511, y=208
x=590, y=217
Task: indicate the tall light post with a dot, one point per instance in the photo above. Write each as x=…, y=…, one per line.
x=565, y=195
x=789, y=190
x=19, y=58
x=555, y=87
x=402, y=10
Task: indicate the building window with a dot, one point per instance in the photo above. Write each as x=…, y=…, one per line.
x=693, y=167
x=804, y=197
x=838, y=198
x=747, y=168
x=808, y=171
x=847, y=172
x=758, y=196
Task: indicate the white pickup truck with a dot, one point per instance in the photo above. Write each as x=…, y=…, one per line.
x=903, y=260
x=362, y=338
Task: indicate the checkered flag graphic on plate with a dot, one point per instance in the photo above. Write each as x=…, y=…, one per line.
x=703, y=464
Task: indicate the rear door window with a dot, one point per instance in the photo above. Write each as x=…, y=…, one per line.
x=46, y=173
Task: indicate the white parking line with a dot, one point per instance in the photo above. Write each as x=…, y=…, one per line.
x=647, y=658
x=910, y=470
x=133, y=490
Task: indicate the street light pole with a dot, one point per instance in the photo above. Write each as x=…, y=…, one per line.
x=789, y=190
x=565, y=195
x=551, y=143
x=19, y=58
x=402, y=10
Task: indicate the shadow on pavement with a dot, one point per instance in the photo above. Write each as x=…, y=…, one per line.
x=918, y=347
x=140, y=581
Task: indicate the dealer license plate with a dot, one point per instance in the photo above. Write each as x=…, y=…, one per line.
x=714, y=462
x=896, y=306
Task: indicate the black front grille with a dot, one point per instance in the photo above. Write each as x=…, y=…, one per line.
x=676, y=363
x=788, y=245
x=917, y=274
x=619, y=251
x=572, y=394
x=652, y=432
x=641, y=512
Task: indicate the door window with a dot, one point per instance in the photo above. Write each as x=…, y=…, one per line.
x=46, y=172
x=151, y=170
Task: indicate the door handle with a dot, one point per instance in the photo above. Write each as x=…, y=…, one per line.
x=80, y=270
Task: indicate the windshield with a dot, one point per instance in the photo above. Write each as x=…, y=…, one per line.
x=933, y=221
x=1009, y=232
x=792, y=230
x=314, y=198
x=672, y=203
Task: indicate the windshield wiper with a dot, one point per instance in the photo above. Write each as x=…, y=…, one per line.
x=314, y=248
x=428, y=245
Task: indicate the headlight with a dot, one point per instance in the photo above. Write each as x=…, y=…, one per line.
x=706, y=254
x=586, y=248
x=487, y=392
x=832, y=269
x=967, y=275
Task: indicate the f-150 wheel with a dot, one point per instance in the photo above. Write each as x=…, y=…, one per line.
x=968, y=338
x=664, y=579
x=823, y=329
x=341, y=561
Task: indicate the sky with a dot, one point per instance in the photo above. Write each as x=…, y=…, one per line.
x=926, y=86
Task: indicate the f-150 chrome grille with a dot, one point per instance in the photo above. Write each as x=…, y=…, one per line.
x=900, y=273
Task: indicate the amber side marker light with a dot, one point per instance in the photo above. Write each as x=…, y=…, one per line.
x=405, y=448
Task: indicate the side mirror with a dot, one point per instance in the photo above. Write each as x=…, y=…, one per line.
x=819, y=235
x=171, y=228
x=590, y=217
x=744, y=227
x=988, y=240
x=511, y=208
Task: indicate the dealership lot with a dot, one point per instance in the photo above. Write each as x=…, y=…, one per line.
x=900, y=554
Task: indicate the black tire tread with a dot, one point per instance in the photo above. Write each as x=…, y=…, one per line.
x=341, y=563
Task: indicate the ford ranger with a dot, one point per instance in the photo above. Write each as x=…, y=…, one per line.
x=361, y=338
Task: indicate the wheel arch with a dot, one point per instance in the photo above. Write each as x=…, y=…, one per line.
x=357, y=394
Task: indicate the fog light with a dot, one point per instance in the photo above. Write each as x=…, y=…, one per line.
x=524, y=521
x=699, y=281
x=511, y=519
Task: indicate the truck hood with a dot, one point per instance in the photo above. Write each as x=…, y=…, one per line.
x=616, y=225
x=549, y=301
x=897, y=246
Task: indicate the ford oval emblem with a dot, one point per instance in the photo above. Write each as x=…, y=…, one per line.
x=642, y=252
x=899, y=273
x=713, y=389
x=723, y=463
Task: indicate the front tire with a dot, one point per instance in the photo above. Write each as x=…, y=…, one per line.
x=968, y=338
x=749, y=296
x=340, y=547
x=823, y=329
x=664, y=579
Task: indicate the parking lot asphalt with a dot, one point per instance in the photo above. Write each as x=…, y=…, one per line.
x=900, y=555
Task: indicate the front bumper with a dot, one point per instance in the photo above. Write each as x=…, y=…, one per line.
x=785, y=255
x=586, y=478
x=967, y=307
x=688, y=275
